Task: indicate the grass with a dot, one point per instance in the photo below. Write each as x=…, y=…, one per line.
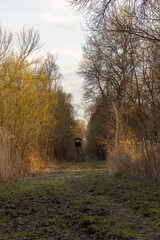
x=79, y=204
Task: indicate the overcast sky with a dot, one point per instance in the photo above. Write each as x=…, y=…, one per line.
x=60, y=30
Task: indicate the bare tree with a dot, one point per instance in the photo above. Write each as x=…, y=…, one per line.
x=145, y=16
x=5, y=43
x=27, y=42
x=51, y=69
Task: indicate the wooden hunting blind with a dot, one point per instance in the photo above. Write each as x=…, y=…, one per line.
x=78, y=148
x=78, y=142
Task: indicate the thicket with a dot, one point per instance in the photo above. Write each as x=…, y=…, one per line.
x=37, y=118
x=121, y=71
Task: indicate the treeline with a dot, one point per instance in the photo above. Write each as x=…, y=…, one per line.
x=121, y=71
x=37, y=118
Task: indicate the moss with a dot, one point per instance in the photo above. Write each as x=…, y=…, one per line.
x=88, y=224
x=16, y=180
x=110, y=221
x=129, y=233
x=2, y=222
x=54, y=219
x=5, y=236
x=63, y=227
x=120, y=176
x=87, y=221
x=22, y=233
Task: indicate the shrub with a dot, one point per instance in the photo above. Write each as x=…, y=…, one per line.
x=135, y=160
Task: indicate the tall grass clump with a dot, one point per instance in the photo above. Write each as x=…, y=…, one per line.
x=136, y=159
x=9, y=163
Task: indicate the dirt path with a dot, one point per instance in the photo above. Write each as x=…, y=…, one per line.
x=79, y=204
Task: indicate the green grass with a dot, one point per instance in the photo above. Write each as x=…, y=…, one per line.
x=79, y=204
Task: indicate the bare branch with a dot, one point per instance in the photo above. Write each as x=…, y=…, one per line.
x=28, y=41
x=5, y=43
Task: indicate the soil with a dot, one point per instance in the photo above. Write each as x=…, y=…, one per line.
x=79, y=202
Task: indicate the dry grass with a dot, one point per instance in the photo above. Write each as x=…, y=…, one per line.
x=37, y=164
x=9, y=164
x=136, y=159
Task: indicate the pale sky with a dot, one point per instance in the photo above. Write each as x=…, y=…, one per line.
x=60, y=31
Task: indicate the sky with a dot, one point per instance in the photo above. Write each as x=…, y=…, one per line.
x=60, y=30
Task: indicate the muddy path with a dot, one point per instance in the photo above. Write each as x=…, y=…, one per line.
x=79, y=203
